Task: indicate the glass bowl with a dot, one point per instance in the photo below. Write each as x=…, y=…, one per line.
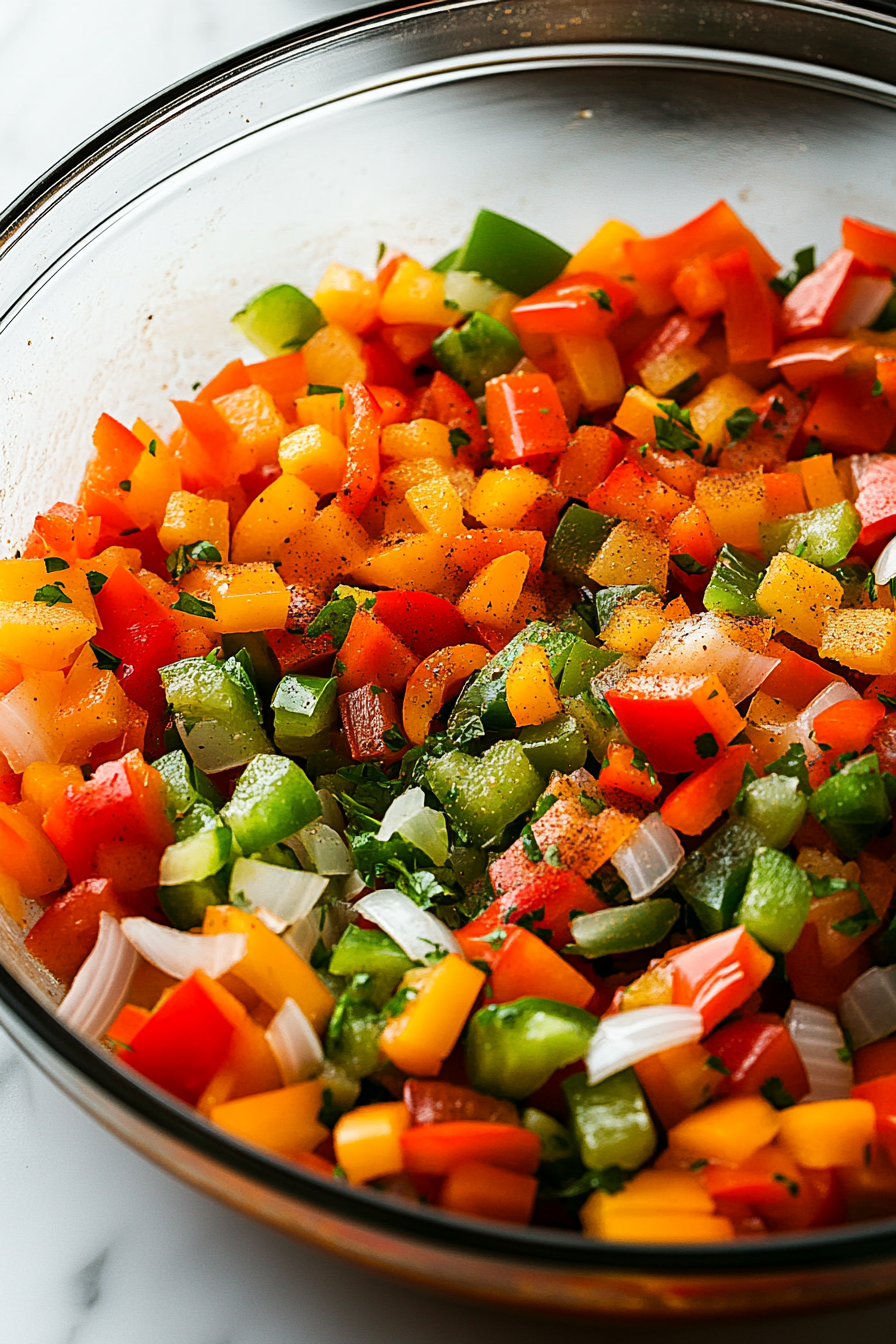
x=120, y=269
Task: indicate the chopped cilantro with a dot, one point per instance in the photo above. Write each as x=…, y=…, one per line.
x=194, y=606
x=458, y=438
x=602, y=299
x=707, y=746
x=52, y=594
x=740, y=423
x=54, y=563
x=105, y=661
x=688, y=564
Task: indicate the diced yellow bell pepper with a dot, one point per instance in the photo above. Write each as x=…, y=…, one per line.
x=330, y=547
x=21, y=580
x=664, y=1195
x=245, y=597
x=819, y=480
x=634, y=627
x=652, y=988
x=314, y=456
x=155, y=476
x=501, y=307
x=492, y=594
x=270, y=967
x=415, y=562
x=42, y=637
x=252, y=414
x=667, y=372
x=44, y=783
x=799, y=596
x=636, y=414
x=109, y=559
x=93, y=709
x=417, y=438
x=347, y=298
x=862, y=640
x=532, y=697
x=604, y=250
x=284, y=1120
x=399, y=519
x=601, y=1219
x=720, y=398
x=631, y=554
x=146, y=434
x=190, y=518
x=333, y=357
x=437, y=507
x=282, y=510
x=416, y=295
x=427, y=1030
x=396, y=480
x=829, y=1133
x=11, y=899
x=503, y=498
x=592, y=365
x=727, y=1131
x=734, y=505
x=368, y=1140
x=326, y=409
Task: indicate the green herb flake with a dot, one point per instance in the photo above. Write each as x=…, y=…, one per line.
x=776, y=1094
x=740, y=423
x=531, y=847
x=688, y=564
x=602, y=299
x=878, y=388
x=706, y=746
x=95, y=580
x=51, y=595
x=394, y=738
x=713, y=1062
x=54, y=563
x=458, y=438
x=153, y=445
x=125, y=486
x=105, y=661
x=793, y=1188
x=814, y=448
x=194, y=606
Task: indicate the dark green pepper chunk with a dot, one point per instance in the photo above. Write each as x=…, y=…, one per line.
x=822, y=536
x=303, y=708
x=776, y=901
x=558, y=744
x=610, y=1121
x=627, y=928
x=733, y=583
x=353, y=1036
x=370, y=952
x=514, y=256
x=713, y=878
x=481, y=795
x=579, y=536
x=854, y=805
x=482, y=704
x=480, y=349
x=513, y=1048
x=584, y=662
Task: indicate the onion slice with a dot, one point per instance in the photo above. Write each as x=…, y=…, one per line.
x=101, y=985
x=285, y=892
x=817, y=1037
x=800, y=728
x=179, y=954
x=627, y=1038
x=885, y=564
x=701, y=644
x=868, y=1008
x=649, y=857
x=294, y=1043
x=416, y=931
x=408, y=816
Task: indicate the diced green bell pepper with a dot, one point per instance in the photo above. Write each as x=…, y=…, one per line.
x=514, y=256
x=595, y=719
x=279, y=320
x=775, y=805
x=216, y=716
x=822, y=536
x=480, y=349
x=713, y=878
x=201, y=817
x=733, y=583
x=185, y=784
x=584, y=662
x=483, y=702
x=606, y=600
x=372, y=953
x=263, y=665
x=611, y=1121
x=623, y=929
x=273, y=799
x=579, y=536
x=191, y=876
x=446, y=263
x=185, y=904
x=558, y=744
x=776, y=901
x=353, y=1036
x=855, y=804
x=513, y=1048
x=482, y=795
x=304, y=707
x=556, y=1141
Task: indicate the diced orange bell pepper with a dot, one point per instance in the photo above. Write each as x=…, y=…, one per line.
x=43, y=783
x=691, y=539
x=482, y=1190
x=620, y=774
x=64, y=935
x=767, y=1179
x=816, y=982
x=371, y=653
x=492, y=594
x=875, y=1060
x=796, y=680
x=871, y=243
x=532, y=696
x=231, y=378
x=283, y=508
x=881, y=1092
x=64, y=530
x=524, y=966
x=848, y=418
x=728, y=1131
x=678, y=1081
x=446, y=401
x=701, y=799
x=698, y=289
x=368, y=716
x=525, y=417
x=434, y=1150
x=756, y=1050
x=749, y=308
x=426, y=1030
x=345, y=297
x=829, y=1133
x=210, y=452
x=26, y=854
x=719, y=973
x=126, y=1025
x=585, y=304
x=284, y=1120
x=368, y=1140
x=592, y=453
x=433, y=681
x=363, y=447
x=848, y=725
x=805, y=362
x=549, y=896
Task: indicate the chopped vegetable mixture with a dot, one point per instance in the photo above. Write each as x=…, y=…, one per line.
x=460, y=757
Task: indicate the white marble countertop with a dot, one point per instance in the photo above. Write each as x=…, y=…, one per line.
x=97, y=1246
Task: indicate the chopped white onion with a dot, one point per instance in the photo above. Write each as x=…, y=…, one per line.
x=294, y=1044
x=616, y=672
x=627, y=1038
x=303, y=936
x=817, y=1038
x=649, y=857
x=323, y=849
x=100, y=988
x=885, y=565
x=330, y=811
x=26, y=721
x=868, y=1008
x=864, y=299
x=408, y=816
x=701, y=644
x=800, y=728
x=470, y=290
x=179, y=954
x=353, y=885
x=287, y=893
x=270, y=920
x=416, y=931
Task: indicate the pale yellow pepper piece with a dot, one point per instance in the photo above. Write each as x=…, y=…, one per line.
x=427, y=1029
x=282, y=510
x=503, y=498
x=190, y=518
x=636, y=414
x=315, y=456
x=800, y=597
x=862, y=640
x=333, y=357
x=819, y=480
x=416, y=295
x=734, y=505
x=347, y=297
x=368, y=1140
x=244, y=597
x=437, y=507
x=829, y=1133
x=591, y=365
x=720, y=398
x=494, y=591
x=631, y=554
x=417, y=438
x=634, y=627
x=21, y=580
x=44, y=638
x=532, y=697
x=325, y=409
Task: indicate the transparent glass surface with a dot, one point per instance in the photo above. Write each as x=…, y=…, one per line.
x=119, y=273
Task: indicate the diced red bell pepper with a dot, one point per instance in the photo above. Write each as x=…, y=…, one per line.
x=749, y=308
x=620, y=774
x=186, y=1040
x=66, y=530
x=847, y=726
x=871, y=243
x=362, y=469
x=524, y=966
x=657, y=261
x=876, y=501
x=679, y=722
x=117, y=453
x=138, y=630
x=875, y=1060
x=432, y=1101
x=754, y=1050
x=298, y=653
x=446, y=401
x=284, y=377
x=585, y=304
x=881, y=1092
x=385, y=369
x=550, y=897
x=842, y=292
x=796, y=679
x=368, y=716
x=484, y=1190
x=701, y=799
x=631, y=492
x=719, y=973
x=805, y=362
x=525, y=417
x=126, y=1025
x=698, y=289
x=371, y=653
x=232, y=378
x=411, y=342
x=393, y=403
x=118, y=813
x=423, y=621
x=679, y=331
x=814, y=982
x=64, y=936
x=768, y=1179
x=690, y=533
x=10, y=789
x=209, y=450
x=433, y=1150
x=849, y=418
x=818, y=1202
